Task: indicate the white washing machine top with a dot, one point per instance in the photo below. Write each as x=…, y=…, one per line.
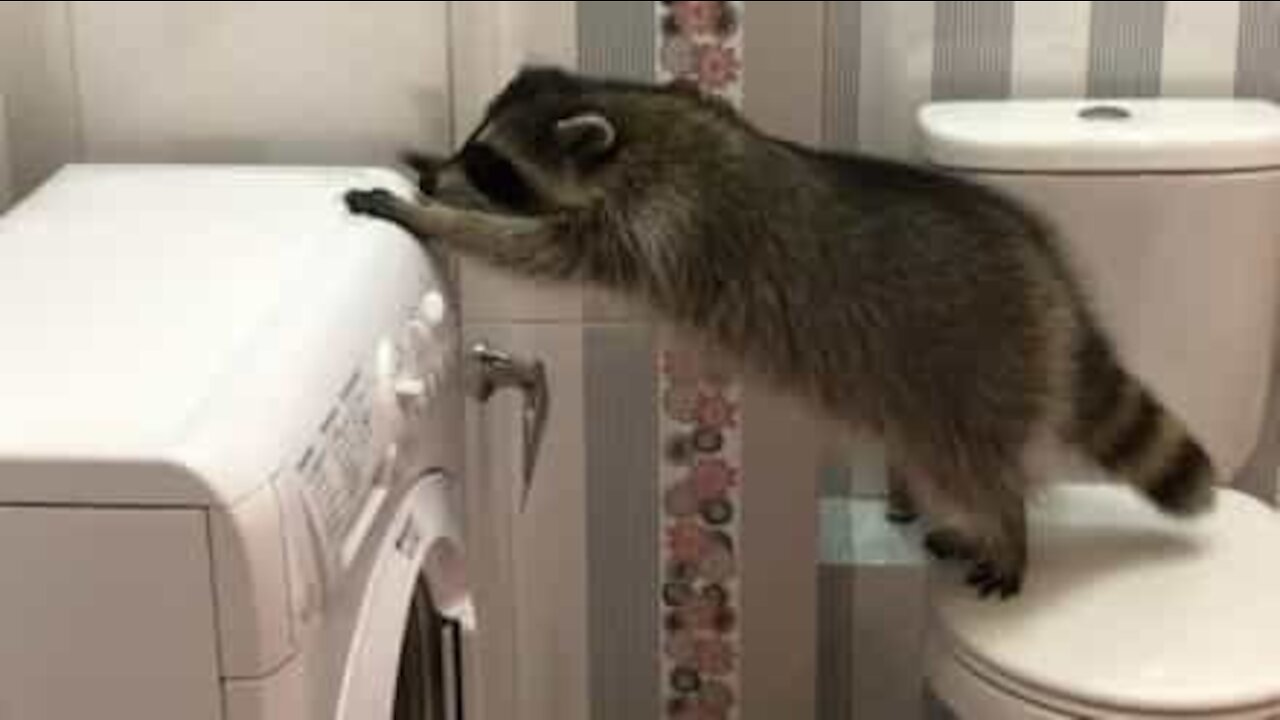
x=1129, y=610
x=163, y=320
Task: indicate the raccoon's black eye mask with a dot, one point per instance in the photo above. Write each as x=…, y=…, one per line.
x=497, y=178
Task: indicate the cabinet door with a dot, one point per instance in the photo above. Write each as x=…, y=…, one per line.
x=530, y=656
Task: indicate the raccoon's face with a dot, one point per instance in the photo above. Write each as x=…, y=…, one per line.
x=552, y=141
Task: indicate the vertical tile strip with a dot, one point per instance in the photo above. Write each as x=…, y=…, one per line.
x=1126, y=48
x=783, y=94
x=894, y=75
x=622, y=521
x=6, y=193
x=700, y=565
x=1050, y=48
x=972, y=49
x=835, y=651
x=700, y=42
x=843, y=30
x=615, y=39
x=700, y=434
x=1258, y=50
x=1200, y=52
x=835, y=595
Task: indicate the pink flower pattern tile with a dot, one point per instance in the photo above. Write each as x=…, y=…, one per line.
x=700, y=44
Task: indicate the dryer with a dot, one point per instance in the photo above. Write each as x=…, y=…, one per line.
x=229, y=443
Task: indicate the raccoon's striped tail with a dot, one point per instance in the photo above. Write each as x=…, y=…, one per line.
x=1130, y=433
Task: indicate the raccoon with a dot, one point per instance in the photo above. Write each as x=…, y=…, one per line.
x=897, y=299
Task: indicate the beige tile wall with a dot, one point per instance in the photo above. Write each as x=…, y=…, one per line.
x=319, y=82
x=273, y=82
x=37, y=80
x=6, y=168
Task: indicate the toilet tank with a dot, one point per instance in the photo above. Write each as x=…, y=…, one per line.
x=1170, y=212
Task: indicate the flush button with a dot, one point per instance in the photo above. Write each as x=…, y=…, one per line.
x=1105, y=112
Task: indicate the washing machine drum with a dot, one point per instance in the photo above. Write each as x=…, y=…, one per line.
x=429, y=681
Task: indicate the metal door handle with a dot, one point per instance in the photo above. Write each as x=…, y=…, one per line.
x=493, y=370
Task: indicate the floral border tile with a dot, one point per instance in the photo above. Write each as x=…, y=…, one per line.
x=700, y=427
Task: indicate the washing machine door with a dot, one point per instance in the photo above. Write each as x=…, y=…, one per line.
x=404, y=660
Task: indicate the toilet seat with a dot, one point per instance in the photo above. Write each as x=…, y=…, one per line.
x=976, y=691
x=1125, y=613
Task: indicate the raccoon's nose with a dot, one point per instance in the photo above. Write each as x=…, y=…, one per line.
x=429, y=183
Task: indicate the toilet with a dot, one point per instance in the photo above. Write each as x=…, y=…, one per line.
x=1170, y=210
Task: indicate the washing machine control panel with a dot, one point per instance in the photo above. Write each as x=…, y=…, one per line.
x=356, y=453
x=337, y=468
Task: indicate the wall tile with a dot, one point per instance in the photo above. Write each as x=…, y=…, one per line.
x=1258, y=53
x=1050, y=48
x=1126, y=47
x=895, y=74
x=1200, y=48
x=38, y=80
x=622, y=521
x=973, y=44
x=328, y=82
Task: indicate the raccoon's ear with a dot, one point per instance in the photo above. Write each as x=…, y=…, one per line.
x=587, y=135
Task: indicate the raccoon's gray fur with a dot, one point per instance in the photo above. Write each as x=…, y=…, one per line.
x=931, y=310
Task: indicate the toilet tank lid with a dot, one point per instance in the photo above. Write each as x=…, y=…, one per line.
x=1113, y=135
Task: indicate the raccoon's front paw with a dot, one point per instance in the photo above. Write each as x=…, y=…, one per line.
x=376, y=202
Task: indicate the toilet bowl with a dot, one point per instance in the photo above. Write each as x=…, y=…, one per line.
x=1126, y=613
x=1170, y=211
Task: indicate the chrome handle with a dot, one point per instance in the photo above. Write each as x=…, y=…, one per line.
x=493, y=370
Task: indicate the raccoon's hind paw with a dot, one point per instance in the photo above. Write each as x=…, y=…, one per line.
x=901, y=515
x=990, y=578
x=993, y=569
x=900, y=509
x=377, y=202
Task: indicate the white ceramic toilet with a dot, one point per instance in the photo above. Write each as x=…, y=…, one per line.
x=1171, y=210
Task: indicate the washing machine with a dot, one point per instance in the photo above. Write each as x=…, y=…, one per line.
x=229, y=444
